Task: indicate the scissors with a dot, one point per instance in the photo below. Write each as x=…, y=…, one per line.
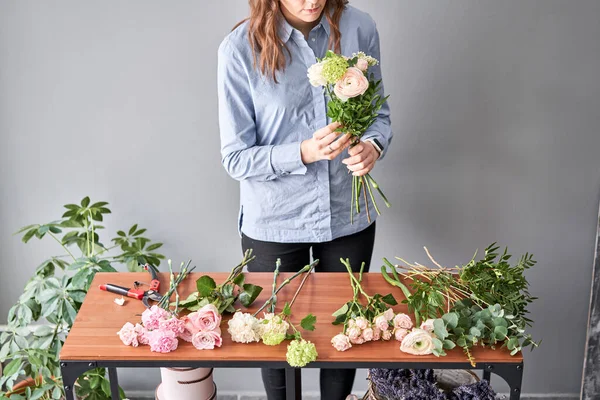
x=136, y=293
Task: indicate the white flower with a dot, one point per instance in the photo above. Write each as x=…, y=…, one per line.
x=362, y=56
x=418, y=342
x=272, y=326
x=315, y=75
x=243, y=328
x=362, y=323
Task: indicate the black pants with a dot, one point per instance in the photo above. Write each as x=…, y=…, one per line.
x=335, y=384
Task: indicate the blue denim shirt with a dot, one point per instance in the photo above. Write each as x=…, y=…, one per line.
x=262, y=124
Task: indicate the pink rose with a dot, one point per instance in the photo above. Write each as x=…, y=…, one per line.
x=376, y=333
x=188, y=329
x=352, y=84
x=368, y=334
x=207, y=318
x=389, y=314
x=400, y=333
x=163, y=341
x=362, y=323
x=351, y=323
x=152, y=316
x=341, y=342
x=386, y=335
x=353, y=333
x=427, y=325
x=172, y=324
x=142, y=334
x=402, y=321
x=382, y=323
x=362, y=64
x=128, y=335
x=207, y=340
x=358, y=340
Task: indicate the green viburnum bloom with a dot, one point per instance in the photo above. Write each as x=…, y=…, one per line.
x=334, y=68
x=273, y=338
x=300, y=353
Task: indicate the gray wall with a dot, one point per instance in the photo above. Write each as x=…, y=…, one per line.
x=496, y=113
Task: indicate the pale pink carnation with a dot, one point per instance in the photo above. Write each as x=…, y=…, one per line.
x=207, y=340
x=428, y=325
x=362, y=323
x=128, y=335
x=341, y=342
x=402, y=321
x=163, y=341
x=376, y=333
x=172, y=324
x=142, y=334
x=352, y=84
x=381, y=322
x=400, y=333
x=152, y=316
x=386, y=335
x=353, y=333
x=207, y=318
x=367, y=334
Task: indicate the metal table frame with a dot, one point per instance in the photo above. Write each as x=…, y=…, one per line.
x=512, y=373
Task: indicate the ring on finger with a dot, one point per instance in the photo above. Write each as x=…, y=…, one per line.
x=330, y=149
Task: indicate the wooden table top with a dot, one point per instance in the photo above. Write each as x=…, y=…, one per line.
x=94, y=333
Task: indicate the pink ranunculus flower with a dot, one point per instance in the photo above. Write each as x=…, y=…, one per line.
x=362, y=64
x=400, y=333
x=341, y=342
x=367, y=334
x=362, y=323
x=173, y=324
x=389, y=314
x=163, y=341
x=142, y=334
x=128, y=335
x=152, y=316
x=207, y=318
x=352, y=84
x=386, y=335
x=381, y=322
x=428, y=325
x=402, y=321
x=354, y=332
x=376, y=333
x=207, y=340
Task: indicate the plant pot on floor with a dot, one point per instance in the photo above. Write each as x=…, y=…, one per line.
x=186, y=384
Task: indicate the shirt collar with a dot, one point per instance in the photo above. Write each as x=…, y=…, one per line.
x=286, y=30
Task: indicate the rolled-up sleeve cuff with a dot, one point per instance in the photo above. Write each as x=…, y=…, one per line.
x=287, y=160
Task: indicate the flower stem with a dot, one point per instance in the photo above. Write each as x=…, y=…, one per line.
x=364, y=189
x=372, y=197
x=300, y=287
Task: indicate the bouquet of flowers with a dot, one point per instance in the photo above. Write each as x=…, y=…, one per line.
x=273, y=328
x=371, y=322
x=354, y=101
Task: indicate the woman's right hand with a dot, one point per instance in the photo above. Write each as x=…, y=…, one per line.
x=323, y=145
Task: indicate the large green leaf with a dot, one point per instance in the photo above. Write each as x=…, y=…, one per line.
x=205, y=285
x=249, y=294
x=308, y=322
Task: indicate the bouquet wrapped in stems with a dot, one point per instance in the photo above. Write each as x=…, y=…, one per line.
x=354, y=100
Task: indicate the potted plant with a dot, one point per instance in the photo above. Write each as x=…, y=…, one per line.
x=42, y=317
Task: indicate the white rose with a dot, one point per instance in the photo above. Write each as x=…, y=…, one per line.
x=428, y=325
x=362, y=323
x=419, y=342
x=402, y=321
x=381, y=322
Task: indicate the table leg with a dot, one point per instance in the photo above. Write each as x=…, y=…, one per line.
x=114, y=383
x=293, y=384
x=513, y=375
x=70, y=371
x=487, y=373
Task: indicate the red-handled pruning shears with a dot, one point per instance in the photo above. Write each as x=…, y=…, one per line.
x=135, y=293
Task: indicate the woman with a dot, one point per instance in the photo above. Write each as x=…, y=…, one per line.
x=293, y=169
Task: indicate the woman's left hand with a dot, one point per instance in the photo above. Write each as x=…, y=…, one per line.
x=362, y=158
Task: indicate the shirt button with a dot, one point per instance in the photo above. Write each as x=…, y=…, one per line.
x=313, y=39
